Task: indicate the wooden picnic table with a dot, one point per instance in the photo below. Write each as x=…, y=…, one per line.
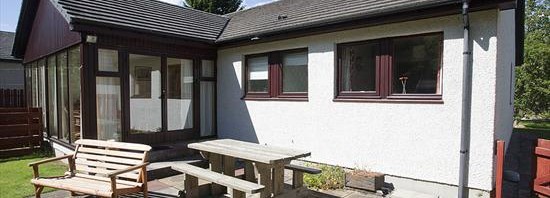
x=264, y=164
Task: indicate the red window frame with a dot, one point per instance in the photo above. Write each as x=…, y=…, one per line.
x=275, y=78
x=384, y=74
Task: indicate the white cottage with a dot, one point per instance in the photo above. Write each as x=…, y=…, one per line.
x=375, y=85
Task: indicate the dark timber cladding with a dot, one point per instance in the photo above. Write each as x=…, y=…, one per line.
x=50, y=33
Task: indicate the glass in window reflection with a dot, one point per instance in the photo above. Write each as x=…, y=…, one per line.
x=416, y=62
x=295, y=72
x=145, y=94
x=258, y=74
x=359, y=67
x=180, y=94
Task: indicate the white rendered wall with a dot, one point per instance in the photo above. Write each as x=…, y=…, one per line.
x=419, y=141
x=506, y=64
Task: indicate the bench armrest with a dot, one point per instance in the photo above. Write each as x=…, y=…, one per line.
x=34, y=165
x=50, y=160
x=114, y=174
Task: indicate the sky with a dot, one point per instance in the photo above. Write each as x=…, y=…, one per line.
x=9, y=11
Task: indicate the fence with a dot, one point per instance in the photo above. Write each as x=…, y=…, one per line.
x=12, y=98
x=20, y=131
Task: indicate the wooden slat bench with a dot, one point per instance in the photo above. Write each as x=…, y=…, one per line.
x=192, y=173
x=298, y=174
x=100, y=168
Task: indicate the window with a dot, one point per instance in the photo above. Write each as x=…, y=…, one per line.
x=258, y=75
x=108, y=96
x=62, y=96
x=180, y=94
x=109, y=108
x=279, y=75
x=108, y=60
x=74, y=93
x=207, y=98
x=52, y=97
x=145, y=94
x=392, y=68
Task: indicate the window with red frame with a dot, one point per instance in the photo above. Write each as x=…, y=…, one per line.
x=391, y=68
x=277, y=75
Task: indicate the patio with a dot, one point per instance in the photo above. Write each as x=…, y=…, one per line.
x=171, y=186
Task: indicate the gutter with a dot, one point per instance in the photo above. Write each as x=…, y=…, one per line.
x=466, y=105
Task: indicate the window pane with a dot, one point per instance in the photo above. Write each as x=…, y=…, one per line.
x=52, y=97
x=208, y=68
x=208, y=107
x=108, y=60
x=34, y=84
x=416, y=63
x=62, y=94
x=28, y=84
x=258, y=74
x=295, y=72
x=74, y=93
x=145, y=94
x=108, y=108
x=42, y=90
x=180, y=93
x=358, y=64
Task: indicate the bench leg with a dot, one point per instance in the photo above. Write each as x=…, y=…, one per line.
x=191, y=186
x=297, y=179
x=38, y=191
x=216, y=166
x=249, y=172
x=238, y=194
x=264, y=178
x=278, y=179
x=145, y=193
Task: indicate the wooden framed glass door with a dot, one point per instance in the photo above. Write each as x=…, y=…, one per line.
x=154, y=99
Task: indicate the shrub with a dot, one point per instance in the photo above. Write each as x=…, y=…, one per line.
x=331, y=177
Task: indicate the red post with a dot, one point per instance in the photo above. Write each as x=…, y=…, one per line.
x=500, y=168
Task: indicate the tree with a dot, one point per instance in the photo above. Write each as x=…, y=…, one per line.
x=216, y=6
x=532, y=94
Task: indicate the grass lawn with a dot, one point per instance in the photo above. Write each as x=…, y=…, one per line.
x=540, y=128
x=15, y=174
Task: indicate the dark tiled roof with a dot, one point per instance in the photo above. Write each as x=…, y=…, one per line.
x=146, y=15
x=6, y=45
x=299, y=14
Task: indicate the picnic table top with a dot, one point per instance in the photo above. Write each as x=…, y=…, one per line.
x=266, y=154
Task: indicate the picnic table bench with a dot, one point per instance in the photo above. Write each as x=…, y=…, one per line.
x=264, y=165
x=100, y=168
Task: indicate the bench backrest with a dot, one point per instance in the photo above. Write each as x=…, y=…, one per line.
x=103, y=157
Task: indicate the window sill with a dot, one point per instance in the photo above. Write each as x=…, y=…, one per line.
x=277, y=99
x=398, y=101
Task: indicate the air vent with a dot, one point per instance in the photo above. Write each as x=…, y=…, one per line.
x=282, y=17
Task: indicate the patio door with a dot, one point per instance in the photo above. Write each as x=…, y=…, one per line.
x=160, y=99
x=154, y=99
